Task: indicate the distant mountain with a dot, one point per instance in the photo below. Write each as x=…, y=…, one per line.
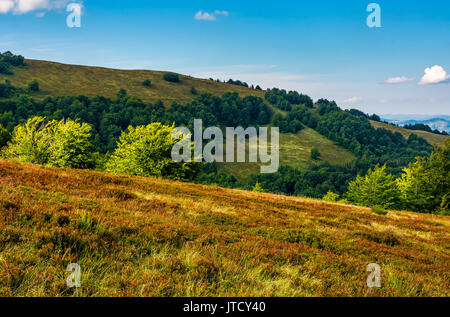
x=436, y=122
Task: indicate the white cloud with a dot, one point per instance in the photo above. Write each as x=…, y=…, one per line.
x=223, y=12
x=352, y=100
x=24, y=6
x=200, y=15
x=206, y=16
x=398, y=80
x=434, y=75
x=6, y=5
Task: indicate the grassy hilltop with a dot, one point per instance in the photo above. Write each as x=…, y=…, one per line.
x=152, y=237
x=56, y=79
x=431, y=138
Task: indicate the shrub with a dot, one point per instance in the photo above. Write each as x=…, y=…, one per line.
x=62, y=144
x=171, y=77
x=4, y=68
x=146, y=83
x=194, y=91
x=33, y=86
x=331, y=197
x=258, y=188
x=30, y=142
x=379, y=210
x=147, y=151
x=315, y=154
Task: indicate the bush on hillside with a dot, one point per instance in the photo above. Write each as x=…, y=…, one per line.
x=377, y=188
x=147, y=151
x=171, y=77
x=55, y=143
x=33, y=86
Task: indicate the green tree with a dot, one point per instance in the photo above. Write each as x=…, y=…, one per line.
x=30, y=142
x=70, y=145
x=425, y=184
x=377, y=188
x=62, y=144
x=171, y=77
x=258, y=188
x=146, y=83
x=33, y=86
x=331, y=197
x=315, y=154
x=147, y=151
x=5, y=137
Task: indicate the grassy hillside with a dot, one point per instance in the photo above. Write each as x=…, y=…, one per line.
x=431, y=138
x=150, y=237
x=295, y=151
x=58, y=79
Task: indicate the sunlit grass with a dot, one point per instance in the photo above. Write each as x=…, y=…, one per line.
x=153, y=237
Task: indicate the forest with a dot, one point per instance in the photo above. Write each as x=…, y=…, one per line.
x=110, y=119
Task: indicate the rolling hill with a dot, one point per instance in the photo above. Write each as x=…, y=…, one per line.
x=56, y=79
x=153, y=237
x=431, y=138
x=295, y=151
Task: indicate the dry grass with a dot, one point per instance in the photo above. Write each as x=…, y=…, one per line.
x=431, y=138
x=57, y=79
x=152, y=237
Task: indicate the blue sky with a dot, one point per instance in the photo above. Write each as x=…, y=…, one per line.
x=323, y=48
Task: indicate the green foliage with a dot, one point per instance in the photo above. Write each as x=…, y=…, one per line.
x=33, y=86
x=194, y=91
x=348, y=129
x=237, y=83
x=258, y=188
x=376, y=188
x=171, y=77
x=146, y=151
x=315, y=154
x=62, y=144
x=8, y=59
x=425, y=184
x=331, y=197
x=147, y=83
x=5, y=137
x=379, y=210
x=70, y=145
x=284, y=101
x=31, y=142
x=7, y=90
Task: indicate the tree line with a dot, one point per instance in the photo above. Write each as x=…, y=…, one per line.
x=110, y=118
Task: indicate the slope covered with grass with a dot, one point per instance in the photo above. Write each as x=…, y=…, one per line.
x=56, y=79
x=151, y=237
x=295, y=151
x=431, y=138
